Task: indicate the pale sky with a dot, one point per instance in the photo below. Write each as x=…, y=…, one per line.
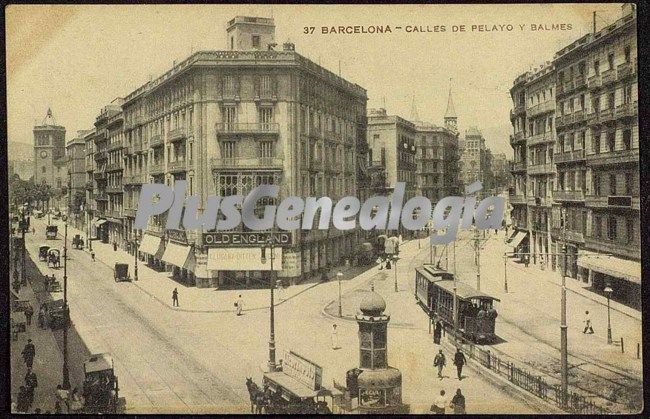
x=77, y=59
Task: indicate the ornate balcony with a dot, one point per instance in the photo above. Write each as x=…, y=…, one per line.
x=114, y=146
x=626, y=110
x=559, y=121
x=177, y=166
x=101, y=155
x=540, y=108
x=571, y=236
x=613, y=201
x=614, y=157
x=517, y=199
x=579, y=116
x=544, y=137
x=113, y=167
x=177, y=134
x=129, y=212
x=236, y=163
x=626, y=70
x=606, y=115
x=569, y=196
x=156, y=140
x=594, y=82
x=137, y=147
x=618, y=248
x=541, y=169
x=224, y=128
x=156, y=169
x=579, y=82
x=569, y=156
x=114, y=189
x=569, y=86
x=519, y=166
x=608, y=77
x=517, y=138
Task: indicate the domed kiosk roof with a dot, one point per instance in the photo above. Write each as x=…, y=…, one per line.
x=373, y=304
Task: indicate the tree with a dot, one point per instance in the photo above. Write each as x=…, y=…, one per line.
x=78, y=199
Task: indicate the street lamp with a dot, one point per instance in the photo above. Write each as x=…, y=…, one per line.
x=66, y=311
x=135, y=256
x=608, y=293
x=395, y=259
x=338, y=276
x=271, y=363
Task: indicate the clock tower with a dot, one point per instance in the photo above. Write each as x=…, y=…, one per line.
x=49, y=153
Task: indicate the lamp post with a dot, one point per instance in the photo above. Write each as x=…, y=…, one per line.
x=395, y=259
x=135, y=256
x=66, y=311
x=563, y=326
x=271, y=363
x=608, y=293
x=338, y=276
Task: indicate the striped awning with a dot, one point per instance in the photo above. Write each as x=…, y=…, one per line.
x=628, y=270
x=150, y=244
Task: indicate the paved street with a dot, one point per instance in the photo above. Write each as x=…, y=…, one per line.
x=187, y=361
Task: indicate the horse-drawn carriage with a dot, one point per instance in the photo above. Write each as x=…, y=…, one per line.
x=54, y=258
x=54, y=314
x=77, y=242
x=43, y=251
x=18, y=317
x=51, y=232
x=121, y=272
x=100, y=388
x=365, y=254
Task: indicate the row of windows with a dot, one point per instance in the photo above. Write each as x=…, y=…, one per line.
x=614, y=228
x=616, y=184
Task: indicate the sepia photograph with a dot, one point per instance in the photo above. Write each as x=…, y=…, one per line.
x=323, y=209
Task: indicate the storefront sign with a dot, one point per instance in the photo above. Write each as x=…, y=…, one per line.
x=242, y=259
x=178, y=236
x=245, y=239
x=302, y=370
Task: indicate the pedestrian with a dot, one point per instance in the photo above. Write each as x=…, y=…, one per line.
x=175, y=297
x=33, y=231
x=22, y=400
x=439, y=361
x=239, y=304
x=29, y=312
x=437, y=332
x=76, y=401
x=335, y=338
x=41, y=317
x=62, y=396
x=588, y=323
x=31, y=381
x=29, y=352
x=57, y=407
x=92, y=255
x=114, y=246
x=459, y=361
x=438, y=407
x=16, y=285
x=458, y=403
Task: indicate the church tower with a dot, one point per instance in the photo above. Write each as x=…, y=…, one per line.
x=451, y=120
x=49, y=153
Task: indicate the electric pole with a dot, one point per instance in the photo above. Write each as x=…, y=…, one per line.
x=563, y=326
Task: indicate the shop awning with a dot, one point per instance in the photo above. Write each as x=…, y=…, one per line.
x=516, y=241
x=99, y=222
x=149, y=244
x=177, y=255
x=290, y=384
x=610, y=265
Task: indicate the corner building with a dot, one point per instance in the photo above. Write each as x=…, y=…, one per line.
x=228, y=121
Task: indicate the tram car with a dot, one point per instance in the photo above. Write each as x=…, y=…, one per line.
x=434, y=292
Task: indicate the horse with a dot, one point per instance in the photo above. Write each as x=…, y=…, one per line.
x=257, y=397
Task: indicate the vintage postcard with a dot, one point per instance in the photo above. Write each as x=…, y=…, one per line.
x=324, y=209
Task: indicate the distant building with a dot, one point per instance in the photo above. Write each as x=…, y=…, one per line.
x=23, y=168
x=472, y=159
x=76, y=156
x=49, y=154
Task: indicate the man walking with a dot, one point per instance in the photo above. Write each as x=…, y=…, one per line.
x=459, y=361
x=175, y=297
x=437, y=332
x=458, y=403
x=31, y=382
x=588, y=323
x=29, y=312
x=92, y=255
x=335, y=338
x=239, y=304
x=29, y=352
x=439, y=361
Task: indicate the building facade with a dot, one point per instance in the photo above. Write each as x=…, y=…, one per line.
x=473, y=165
x=76, y=164
x=49, y=162
x=226, y=122
x=581, y=176
x=437, y=161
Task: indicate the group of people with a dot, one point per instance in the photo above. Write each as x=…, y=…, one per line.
x=457, y=403
x=459, y=361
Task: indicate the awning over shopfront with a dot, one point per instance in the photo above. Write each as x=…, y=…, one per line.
x=150, y=244
x=177, y=255
x=612, y=266
x=516, y=241
x=98, y=222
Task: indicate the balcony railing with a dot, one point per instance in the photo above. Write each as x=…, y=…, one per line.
x=626, y=69
x=177, y=134
x=517, y=199
x=137, y=147
x=539, y=169
x=618, y=248
x=129, y=212
x=517, y=137
x=177, y=165
x=541, y=138
x=569, y=156
x=608, y=77
x=114, y=146
x=569, y=86
x=247, y=163
x=579, y=116
x=114, y=189
x=594, y=82
x=579, y=82
x=613, y=201
x=101, y=197
x=626, y=110
x=248, y=127
x=572, y=196
x=156, y=169
x=540, y=108
x=613, y=158
x=518, y=166
x=156, y=140
x=101, y=155
x=113, y=167
x=571, y=236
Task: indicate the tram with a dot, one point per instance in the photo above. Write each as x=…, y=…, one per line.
x=434, y=292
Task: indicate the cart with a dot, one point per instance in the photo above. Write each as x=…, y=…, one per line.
x=54, y=314
x=43, y=251
x=51, y=232
x=54, y=258
x=100, y=388
x=121, y=272
x=77, y=241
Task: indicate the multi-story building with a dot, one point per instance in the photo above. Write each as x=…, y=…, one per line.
x=226, y=122
x=437, y=161
x=593, y=160
x=391, y=154
x=89, y=185
x=49, y=155
x=76, y=164
x=472, y=159
x=500, y=171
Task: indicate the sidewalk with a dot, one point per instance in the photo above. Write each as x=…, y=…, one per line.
x=159, y=285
